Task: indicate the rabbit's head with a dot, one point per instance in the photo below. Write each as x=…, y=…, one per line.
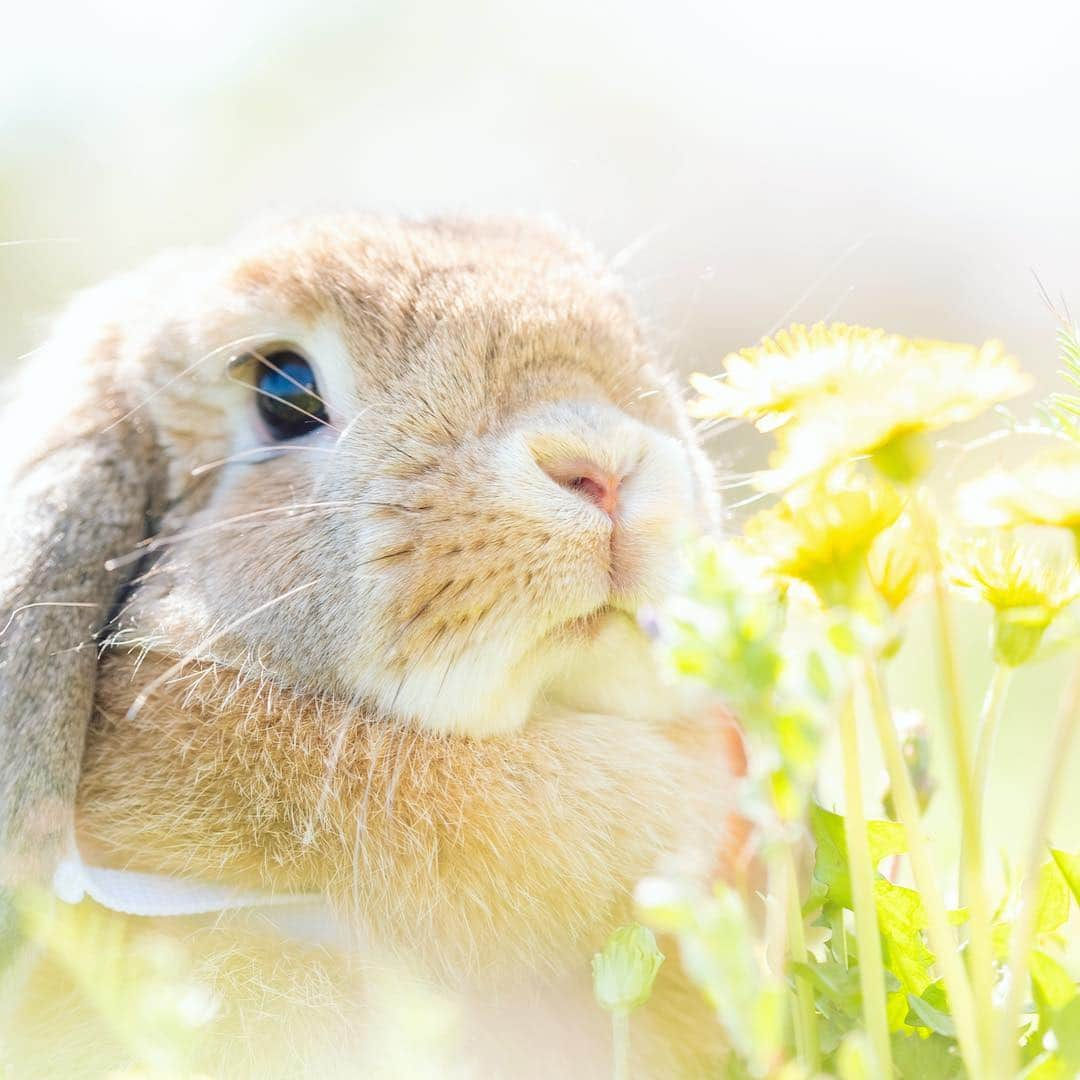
x=430, y=467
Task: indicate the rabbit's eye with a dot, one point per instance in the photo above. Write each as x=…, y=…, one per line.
x=287, y=396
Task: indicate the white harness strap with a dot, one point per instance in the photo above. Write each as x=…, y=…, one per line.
x=134, y=893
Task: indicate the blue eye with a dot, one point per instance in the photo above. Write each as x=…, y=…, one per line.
x=286, y=395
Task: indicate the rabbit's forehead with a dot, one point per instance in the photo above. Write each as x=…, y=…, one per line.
x=492, y=323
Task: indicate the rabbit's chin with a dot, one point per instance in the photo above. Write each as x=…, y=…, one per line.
x=600, y=663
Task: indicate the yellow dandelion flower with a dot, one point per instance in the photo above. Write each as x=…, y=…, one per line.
x=822, y=534
x=1027, y=583
x=766, y=383
x=890, y=400
x=1043, y=491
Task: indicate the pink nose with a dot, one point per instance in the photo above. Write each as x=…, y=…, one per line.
x=591, y=482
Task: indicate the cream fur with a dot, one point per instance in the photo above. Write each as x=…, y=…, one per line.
x=397, y=662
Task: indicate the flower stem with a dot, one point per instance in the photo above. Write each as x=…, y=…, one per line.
x=972, y=887
x=871, y=968
x=806, y=1026
x=986, y=737
x=1024, y=928
x=620, y=1039
x=942, y=938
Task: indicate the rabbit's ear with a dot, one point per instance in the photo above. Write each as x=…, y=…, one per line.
x=79, y=491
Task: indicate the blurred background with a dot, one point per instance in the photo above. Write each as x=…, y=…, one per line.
x=902, y=166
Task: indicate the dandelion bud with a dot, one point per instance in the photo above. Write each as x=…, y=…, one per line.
x=1018, y=634
x=915, y=746
x=624, y=971
x=896, y=562
x=1027, y=583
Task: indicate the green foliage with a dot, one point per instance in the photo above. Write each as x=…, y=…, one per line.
x=869, y=973
x=1064, y=408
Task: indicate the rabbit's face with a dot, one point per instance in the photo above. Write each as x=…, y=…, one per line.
x=425, y=467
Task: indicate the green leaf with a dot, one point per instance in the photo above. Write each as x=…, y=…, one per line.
x=934, y=1058
x=1069, y=865
x=934, y=1019
x=833, y=982
x=902, y=920
x=830, y=861
x=854, y=1059
x=1066, y=1027
x=1047, y=1066
x=1051, y=983
x=1052, y=908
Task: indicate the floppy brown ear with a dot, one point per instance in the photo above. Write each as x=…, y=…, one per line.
x=79, y=492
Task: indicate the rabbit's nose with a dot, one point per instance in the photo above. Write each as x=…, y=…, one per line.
x=599, y=486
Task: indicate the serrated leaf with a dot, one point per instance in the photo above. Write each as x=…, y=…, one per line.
x=902, y=920
x=830, y=861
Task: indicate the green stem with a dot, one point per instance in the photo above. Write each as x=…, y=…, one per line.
x=972, y=888
x=867, y=937
x=620, y=1039
x=942, y=938
x=1024, y=928
x=986, y=737
x=806, y=1025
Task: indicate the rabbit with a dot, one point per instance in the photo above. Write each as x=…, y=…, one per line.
x=322, y=562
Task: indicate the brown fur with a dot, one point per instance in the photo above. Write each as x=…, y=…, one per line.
x=398, y=666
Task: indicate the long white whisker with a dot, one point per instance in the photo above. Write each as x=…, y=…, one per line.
x=730, y=483
x=299, y=385
x=153, y=543
x=43, y=603
x=206, y=642
x=270, y=452
x=348, y=426
x=833, y=265
x=189, y=369
x=284, y=401
x=40, y=240
x=747, y=501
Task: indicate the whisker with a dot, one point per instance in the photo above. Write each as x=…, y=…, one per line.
x=153, y=543
x=160, y=680
x=266, y=362
x=730, y=483
x=348, y=427
x=229, y=345
x=749, y=500
x=630, y=250
x=830, y=267
x=721, y=428
x=40, y=240
x=44, y=603
x=283, y=401
x=270, y=453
